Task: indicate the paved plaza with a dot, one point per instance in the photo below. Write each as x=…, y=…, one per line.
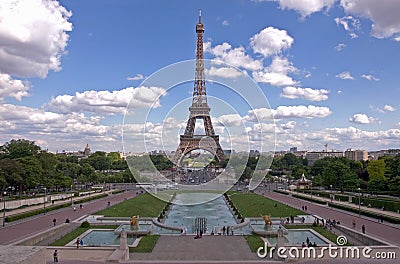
x=185, y=249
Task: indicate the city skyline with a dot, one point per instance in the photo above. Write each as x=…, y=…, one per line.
x=328, y=69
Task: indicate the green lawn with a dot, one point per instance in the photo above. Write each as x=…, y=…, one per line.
x=254, y=205
x=254, y=242
x=146, y=244
x=144, y=205
x=77, y=232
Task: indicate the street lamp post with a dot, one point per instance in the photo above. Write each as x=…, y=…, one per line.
x=359, y=202
x=4, y=208
x=44, y=201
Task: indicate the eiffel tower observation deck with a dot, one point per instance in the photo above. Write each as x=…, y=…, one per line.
x=199, y=109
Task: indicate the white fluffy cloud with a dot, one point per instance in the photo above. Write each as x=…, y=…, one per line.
x=305, y=93
x=107, y=102
x=305, y=7
x=270, y=41
x=277, y=73
x=340, y=46
x=136, y=77
x=389, y=108
x=233, y=56
x=370, y=77
x=12, y=88
x=350, y=24
x=281, y=112
x=33, y=36
x=301, y=111
x=383, y=14
x=345, y=76
x=225, y=72
x=361, y=119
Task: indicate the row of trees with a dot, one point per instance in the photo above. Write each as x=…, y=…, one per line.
x=341, y=173
x=25, y=167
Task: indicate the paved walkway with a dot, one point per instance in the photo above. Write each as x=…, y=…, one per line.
x=185, y=249
x=18, y=230
x=378, y=230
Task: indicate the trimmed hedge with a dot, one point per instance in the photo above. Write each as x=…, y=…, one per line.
x=13, y=218
x=308, y=199
x=281, y=192
x=390, y=205
x=367, y=213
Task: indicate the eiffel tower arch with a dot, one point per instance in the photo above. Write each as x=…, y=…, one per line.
x=199, y=109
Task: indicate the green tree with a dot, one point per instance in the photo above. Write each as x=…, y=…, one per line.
x=20, y=148
x=376, y=170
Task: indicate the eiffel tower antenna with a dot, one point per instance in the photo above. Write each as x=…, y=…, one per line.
x=199, y=110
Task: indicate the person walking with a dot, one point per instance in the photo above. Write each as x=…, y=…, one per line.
x=363, y=229
x=55, y=256
x=54, y=222
x=78, y=242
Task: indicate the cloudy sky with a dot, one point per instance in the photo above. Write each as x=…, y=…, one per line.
x=329, y=70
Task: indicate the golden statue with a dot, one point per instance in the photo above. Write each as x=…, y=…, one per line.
x=267, y=219
x=135, y=221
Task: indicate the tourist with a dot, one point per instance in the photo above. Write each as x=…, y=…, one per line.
x=55, y=256
x=303, y=220
x=74, y=209
x=54, y=222
x=307, y=241
x=354, y=223
x=302, y=207
x=223, y=230
x=227, y=230
x=305, y=208
x=67, y=221
x=314, y=244
x=303, y=244
x=81, y=206
x=363, y=229
x=231, y=230
x=78, y=242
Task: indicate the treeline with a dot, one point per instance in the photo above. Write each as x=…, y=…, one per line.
x=25, y=167
x=343, y=174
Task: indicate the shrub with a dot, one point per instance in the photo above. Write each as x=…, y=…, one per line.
x=85, y=224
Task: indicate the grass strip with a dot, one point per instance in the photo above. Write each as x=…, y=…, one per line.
x=146, y=244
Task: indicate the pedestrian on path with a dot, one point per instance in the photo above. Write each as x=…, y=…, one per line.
x=78, y=242
x=363, y=229
x=354, y=223
x=74, y=209
x=55, y=256
x=54, y=222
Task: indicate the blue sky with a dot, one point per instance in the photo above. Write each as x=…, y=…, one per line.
x=329, y=70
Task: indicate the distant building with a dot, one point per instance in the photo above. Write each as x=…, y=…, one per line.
x=352, y=154
x=374, y=155
x=87, y=151
x=304, y=183
x=293, y=150
x=312, y=156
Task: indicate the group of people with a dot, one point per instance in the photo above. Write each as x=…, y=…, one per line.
x=304, y=208
x=287, y=220
x=228, y=230
x=308, y=243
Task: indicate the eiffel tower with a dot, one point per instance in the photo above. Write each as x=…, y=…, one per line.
x=199, y=110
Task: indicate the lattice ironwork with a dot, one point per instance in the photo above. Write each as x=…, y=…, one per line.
x=199, y=110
